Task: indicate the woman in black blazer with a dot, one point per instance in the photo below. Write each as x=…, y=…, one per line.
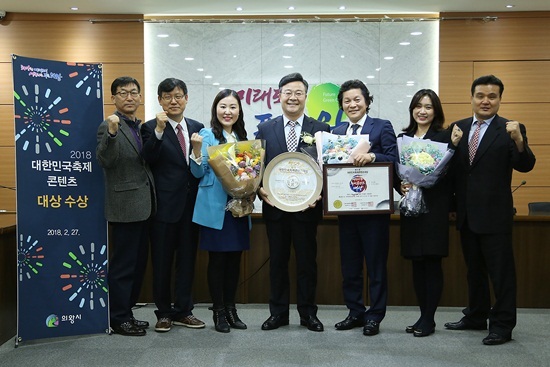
x=425, y=238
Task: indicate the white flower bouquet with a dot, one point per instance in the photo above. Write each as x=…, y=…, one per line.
x=421, y=163
x=331, y=148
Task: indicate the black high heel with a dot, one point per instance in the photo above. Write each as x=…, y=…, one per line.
x=418, y=332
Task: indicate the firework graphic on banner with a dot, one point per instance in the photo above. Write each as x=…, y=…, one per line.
x=43, y=120
x=86, y=279
x=90, y=81
x=29, y=257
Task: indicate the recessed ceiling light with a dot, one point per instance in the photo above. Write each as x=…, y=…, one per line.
x=238, y=8
x=288, y=66
x=162, y=36
x=287, y=57
x=208, y=76
x=290, y=8
x=288, y=44
x=404, y=43
x=378, y=69
x=370, y=76
x=410, y=82
x=510, y=6
x=342, y=8
x=289, y=35
x=200, y=69
x=416, y=33
x=388, y=58
x=216, y=83
x=189, y=59
x=399, y=101
x=174, y=45
x=234, y=56
x=342, y=56
x=74, y=8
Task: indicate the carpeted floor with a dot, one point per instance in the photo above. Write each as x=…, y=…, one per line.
x=294, y=345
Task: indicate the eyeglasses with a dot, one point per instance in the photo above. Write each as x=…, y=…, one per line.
x=168, y=98
x=288, y=93
x=124, y=94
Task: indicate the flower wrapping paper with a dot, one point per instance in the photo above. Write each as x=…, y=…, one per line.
x=421, y=162
x=239, y=167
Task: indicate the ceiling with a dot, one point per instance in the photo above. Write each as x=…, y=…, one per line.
x=267, y=7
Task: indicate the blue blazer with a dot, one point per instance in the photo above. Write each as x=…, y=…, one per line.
x=211, y=197
x=381, y=136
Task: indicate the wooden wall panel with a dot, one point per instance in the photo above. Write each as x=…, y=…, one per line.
x=504, y=39
x=74, y=38
x=6, y=81
x=455, y=81
x=524, y=81
x=6, y=126
x=7, y=178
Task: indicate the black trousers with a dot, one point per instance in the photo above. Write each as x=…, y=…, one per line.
x=490, y=257
x=282, y=234
x=223, y=277
x=130, y=250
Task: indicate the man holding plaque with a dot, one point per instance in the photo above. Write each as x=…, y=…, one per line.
x=283, y=134
x=364, y=237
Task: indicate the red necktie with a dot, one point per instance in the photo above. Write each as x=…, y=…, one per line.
x=474, y=141
x=181, y=140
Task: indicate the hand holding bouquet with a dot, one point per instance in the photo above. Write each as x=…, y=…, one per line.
x=340, y=148
x=239, y=167
x=421, y=163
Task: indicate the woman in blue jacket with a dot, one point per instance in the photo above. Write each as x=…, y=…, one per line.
x=221, y=234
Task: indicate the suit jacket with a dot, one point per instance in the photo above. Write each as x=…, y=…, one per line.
x=381, y=136
x=273, y=132
x=483, y=189
x=129, y=185
x=173, y=179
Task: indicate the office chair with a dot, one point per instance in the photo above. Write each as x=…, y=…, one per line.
x=539, y=208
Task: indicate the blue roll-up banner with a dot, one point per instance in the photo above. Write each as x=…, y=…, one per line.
x=61, y=230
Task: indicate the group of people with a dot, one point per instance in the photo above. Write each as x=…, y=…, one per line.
x=154, y=173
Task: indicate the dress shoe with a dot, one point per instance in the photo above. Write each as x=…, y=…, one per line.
x=164, y=324
x=463, y=324
x=349, y=323
x=189, y=321
x=421, y=332
x=312, y=323
x=274, y=322
x=128, y=329
x=140, y=324
x=496, y=339
x=371, y=328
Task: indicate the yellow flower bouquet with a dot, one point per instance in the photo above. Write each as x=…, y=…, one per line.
x=239, y=167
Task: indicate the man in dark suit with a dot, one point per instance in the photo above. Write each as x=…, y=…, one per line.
x=129, y=203
x=166, y=148
x=365, y=237
x=284, y=228
x=482, y=170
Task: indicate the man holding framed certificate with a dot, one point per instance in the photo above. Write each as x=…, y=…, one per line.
x=364, y=237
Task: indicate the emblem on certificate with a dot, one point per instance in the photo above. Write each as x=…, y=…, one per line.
x=293, y=181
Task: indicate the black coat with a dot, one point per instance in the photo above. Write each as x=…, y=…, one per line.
x=428, y=234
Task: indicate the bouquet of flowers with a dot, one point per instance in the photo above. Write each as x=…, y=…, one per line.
x=421, y=163
x=239, y=166
x=333, y=148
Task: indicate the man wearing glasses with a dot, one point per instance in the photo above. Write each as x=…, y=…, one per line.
x=129, y=203
x=166, y=148
x=282, y=134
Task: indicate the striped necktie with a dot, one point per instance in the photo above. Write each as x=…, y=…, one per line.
x=181, y=140
x=474, y=141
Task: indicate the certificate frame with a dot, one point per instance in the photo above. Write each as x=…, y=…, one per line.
x=352, y=190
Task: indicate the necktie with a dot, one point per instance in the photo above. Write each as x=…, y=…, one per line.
x=292, y=139
x=181, y=140
x=354, y=129
x=474, y=141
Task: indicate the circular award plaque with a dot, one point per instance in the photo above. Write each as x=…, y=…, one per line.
x=293, y=181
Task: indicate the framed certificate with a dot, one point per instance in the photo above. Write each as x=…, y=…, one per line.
x=358, y=190
x=293, y=181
